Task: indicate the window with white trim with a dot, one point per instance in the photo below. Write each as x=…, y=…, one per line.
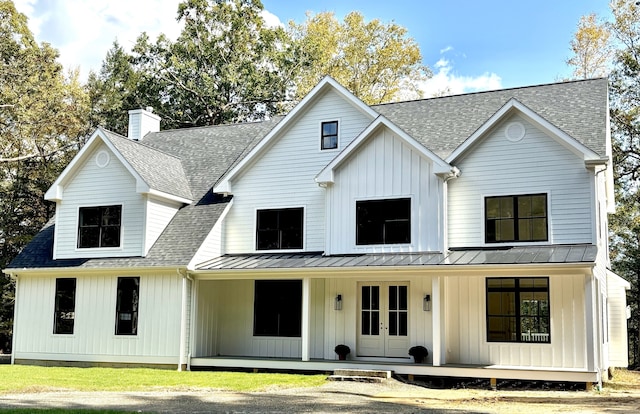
x=329, y=135
x=99, y=226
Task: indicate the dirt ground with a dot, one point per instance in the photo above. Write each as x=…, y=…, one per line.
x=620, y=396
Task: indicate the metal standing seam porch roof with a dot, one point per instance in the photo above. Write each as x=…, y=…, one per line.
x=558, y=254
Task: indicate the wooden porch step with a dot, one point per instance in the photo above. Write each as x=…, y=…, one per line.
x=359, y=375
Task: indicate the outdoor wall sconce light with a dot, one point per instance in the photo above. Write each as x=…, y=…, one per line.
x=426, y=303
x=338, y=304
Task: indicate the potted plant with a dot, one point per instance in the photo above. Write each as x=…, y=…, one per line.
x=342, y=351
x=419, y=353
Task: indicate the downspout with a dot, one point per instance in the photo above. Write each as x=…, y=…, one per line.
x=183, y=320
x=454, y=173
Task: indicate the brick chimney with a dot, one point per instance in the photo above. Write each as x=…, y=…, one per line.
x=141, y=122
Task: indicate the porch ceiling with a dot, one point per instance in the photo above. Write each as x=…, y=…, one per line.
x=555, y=254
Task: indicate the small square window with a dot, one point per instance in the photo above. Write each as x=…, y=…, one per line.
x=329, y=135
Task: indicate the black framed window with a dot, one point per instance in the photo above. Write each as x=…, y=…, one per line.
x=518, y=310
x=383, y=221
x=65, y=306
x=329, y=135
x=279, y=229
x=277, y=308
x=127, y=300
x=516, y=218
x=99, y=226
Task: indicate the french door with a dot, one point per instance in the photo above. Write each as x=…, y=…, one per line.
x=383, y=319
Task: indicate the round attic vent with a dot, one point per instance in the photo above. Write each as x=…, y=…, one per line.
x=515, y=131
x=102, y=159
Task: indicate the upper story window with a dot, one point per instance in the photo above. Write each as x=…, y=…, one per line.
x=65, y=306
x=518, y=310
x=383, y=221
x=279, y=229
x=329, y=135
x=521, y=218
x=127, y=300
x=99, y=226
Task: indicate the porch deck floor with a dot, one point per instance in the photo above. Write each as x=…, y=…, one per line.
x=402, y=366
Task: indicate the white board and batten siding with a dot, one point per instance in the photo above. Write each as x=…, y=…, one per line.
x=537, y=163
x=94, y=338
x=465, y=327
x=385, y=167
x=283, y=176
x=97, y=184
x=224, y=323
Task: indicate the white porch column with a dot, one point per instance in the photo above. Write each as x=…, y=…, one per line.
x=438, y=357
x=591, y=322
x=306, y=318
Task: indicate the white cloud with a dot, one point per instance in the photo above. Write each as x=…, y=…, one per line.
x=446, y=82
x=271, y=19
x=84, y=30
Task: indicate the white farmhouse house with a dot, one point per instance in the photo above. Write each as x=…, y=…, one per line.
x=473, y=225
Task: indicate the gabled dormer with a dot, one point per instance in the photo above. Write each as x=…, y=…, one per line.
x=115, y=198
x=277, y=204
x=526, y=182
x=385, y=193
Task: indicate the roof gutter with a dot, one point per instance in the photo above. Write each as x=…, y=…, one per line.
x=317, y=272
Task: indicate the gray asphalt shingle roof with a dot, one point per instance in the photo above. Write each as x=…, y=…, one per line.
x=578, y=108
x=188, y=162
x=161, y=171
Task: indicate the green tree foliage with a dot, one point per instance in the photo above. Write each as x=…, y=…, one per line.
x=591, y=49
x=42, y=122
x=625, y=122
x=115, y=90
x=622, y=35
x=377, y=62
x=226, y=66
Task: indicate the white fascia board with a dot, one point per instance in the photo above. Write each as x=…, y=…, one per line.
x=55, y=192
x=562, y=137
x=327, y=174
x=223, y=185
x=167, y=196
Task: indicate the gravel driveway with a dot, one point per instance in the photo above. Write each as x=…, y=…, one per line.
x=338, y=397
x=333, y=397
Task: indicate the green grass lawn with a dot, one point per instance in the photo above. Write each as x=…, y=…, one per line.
x=21, y=378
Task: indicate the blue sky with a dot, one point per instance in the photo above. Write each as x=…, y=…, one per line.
x=469, y=45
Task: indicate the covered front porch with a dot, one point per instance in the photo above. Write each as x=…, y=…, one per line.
x=381, y=305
